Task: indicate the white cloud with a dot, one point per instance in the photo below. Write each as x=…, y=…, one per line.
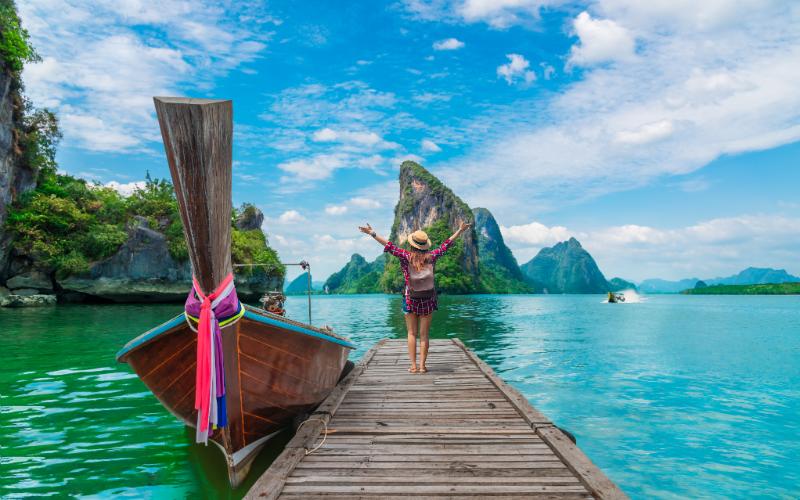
x=362, y=202
x=535, y=233
x=290, y=216
x=516, y=69
x=429, y=97
x=103, y=61
x=429, y=145
x=312, y=169
x=601, y=40
x=125, y=189
x=448, y=44
x=325, y=135
x=496, y=13
x=648, y=132
x=335, y=209
x=362, y=138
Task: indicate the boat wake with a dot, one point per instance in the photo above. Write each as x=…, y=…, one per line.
x=631, y=297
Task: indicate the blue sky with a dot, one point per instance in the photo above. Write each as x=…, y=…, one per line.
x=663, y=135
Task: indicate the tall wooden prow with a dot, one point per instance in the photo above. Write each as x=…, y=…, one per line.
x=198, y=140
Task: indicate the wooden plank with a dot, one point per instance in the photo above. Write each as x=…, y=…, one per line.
x=450, y=489
x=392, y=479
x=475, y=465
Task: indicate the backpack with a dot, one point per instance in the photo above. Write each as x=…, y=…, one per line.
x=420, y=283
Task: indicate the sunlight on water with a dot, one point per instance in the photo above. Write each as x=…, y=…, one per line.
x=677, y=397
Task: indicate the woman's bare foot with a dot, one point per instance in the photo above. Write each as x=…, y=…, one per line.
x=422, y=369
x=412, y=369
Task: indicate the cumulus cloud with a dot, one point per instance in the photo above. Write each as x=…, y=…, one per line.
x=290, y=216
x=448, y=44
x=516, y=69
x=601, y=40
x=363, y=138
x=125, y=189
x=648, y=132
x=335, y=209
x=312, y=169
x=535, y=234
x=429, y=145
x=362, y=202
x=498, y=14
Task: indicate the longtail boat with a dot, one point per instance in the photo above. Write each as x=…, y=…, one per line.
x=236, y=373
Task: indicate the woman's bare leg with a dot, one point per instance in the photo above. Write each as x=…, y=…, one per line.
x=424, y=328
x=411, y=326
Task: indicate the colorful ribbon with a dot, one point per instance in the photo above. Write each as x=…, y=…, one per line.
x=210, y=312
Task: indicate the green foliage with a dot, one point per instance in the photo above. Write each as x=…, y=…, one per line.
x=766, y=289
x=37, y=140
x=496, y=279
x=250, y=247
x=65, y=224
x=15, y=47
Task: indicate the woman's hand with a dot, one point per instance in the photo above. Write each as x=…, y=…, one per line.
x=464, y=226
x=366, y=229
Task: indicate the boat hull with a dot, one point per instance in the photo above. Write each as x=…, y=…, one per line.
x=275, y=370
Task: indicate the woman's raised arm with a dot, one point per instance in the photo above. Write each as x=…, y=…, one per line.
x=463, y=227
x=368, y=230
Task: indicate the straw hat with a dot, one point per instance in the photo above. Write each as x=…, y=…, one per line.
x=419, y=240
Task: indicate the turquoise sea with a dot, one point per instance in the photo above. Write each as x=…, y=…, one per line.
x=674, y=396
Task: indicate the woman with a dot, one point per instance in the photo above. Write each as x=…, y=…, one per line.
x=419, y=295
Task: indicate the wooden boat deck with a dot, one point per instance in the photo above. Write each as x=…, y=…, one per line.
x=456, y=431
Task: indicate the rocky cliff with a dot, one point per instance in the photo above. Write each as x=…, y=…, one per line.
x=426, y=203
x=565, y=268
x=499, y=271
x=17, y=171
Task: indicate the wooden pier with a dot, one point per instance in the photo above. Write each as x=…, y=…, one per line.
x=456, y=431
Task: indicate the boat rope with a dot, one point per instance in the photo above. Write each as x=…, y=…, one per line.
x=211, y=311
x=324, y=434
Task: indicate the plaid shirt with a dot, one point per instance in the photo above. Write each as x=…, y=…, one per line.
x=421, y=307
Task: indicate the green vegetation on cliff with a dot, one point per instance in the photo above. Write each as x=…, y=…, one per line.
x=499, y=271
x=65, y=223
x=357, y=276
x=765, y=289
x=565, y=268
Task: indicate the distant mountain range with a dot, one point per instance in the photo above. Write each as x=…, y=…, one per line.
x=480, y=261
x=750, y=276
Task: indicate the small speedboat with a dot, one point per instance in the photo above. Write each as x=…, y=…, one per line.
x=613, y=298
